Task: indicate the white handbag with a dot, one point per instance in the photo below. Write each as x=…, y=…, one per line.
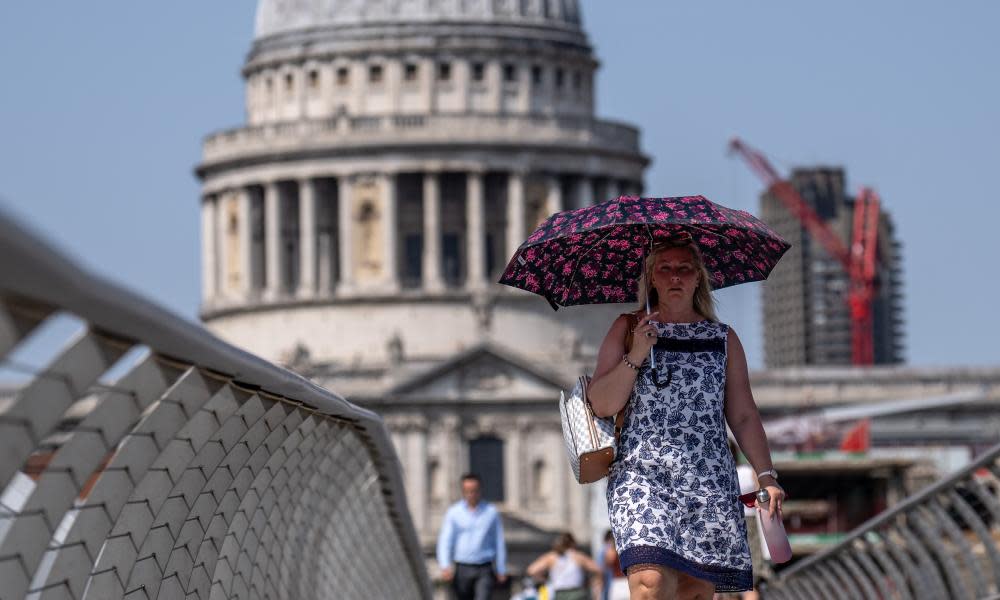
x=590, y=440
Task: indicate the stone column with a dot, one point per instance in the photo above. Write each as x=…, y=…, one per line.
x=515, y=212
x=244, y=223
x=432, y=233
x=391, y=231
x=393, y=73
x=517, y=460
x=475, y=225
x=584, y=192
x=495, y=84
x=272, y=240
x=209, y=243
x=345, y=222
x=554, y=199
x=462, y=73
x=428, y=80
x=307, y=238
x=614, y=188
x=417, y=450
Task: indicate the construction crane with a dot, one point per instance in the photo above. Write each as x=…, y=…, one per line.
x=858, y=260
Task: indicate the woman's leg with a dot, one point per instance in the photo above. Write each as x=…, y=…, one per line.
x=692, y=588
x=652, y=582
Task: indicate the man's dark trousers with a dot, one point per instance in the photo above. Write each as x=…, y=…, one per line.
x=473, y=582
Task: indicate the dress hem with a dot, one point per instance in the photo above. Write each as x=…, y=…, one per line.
x=725, y=579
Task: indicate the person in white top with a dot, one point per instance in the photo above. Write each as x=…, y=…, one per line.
x=567, y=570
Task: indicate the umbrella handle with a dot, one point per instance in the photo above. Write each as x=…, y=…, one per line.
x=652, y=362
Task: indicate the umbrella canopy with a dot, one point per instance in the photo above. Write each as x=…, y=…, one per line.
x=594, y=254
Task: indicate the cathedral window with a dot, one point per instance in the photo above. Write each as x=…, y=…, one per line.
x=444, y=71
x=577, y=80
x=375, y=73
x=435, y=481
x=560, y=77
x=510, y=72
x=540, y=486
x=343, y=76
x=289, y=82
x=536, y=74
x=486, y=460
x=478, y=71
x=313, y=79
x=410, y=72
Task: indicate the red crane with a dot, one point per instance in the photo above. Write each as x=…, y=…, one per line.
x=858, y=260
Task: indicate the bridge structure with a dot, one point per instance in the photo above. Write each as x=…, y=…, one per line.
x=942, y=542
x=149, y=459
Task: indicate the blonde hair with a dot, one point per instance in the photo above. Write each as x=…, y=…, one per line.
x=704, y=303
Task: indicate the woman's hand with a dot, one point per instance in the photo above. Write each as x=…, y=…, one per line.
x=777, y=495
x=643, y=338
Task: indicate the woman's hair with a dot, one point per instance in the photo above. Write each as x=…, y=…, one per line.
x=703, y=302
x=564, y=541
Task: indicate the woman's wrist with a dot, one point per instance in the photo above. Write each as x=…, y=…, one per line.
x=635, y=360
x=767, y=480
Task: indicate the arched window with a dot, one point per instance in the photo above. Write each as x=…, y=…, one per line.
x=486, y=460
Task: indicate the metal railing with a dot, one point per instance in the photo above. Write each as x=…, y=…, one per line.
x=197, y=470
x=941, y=543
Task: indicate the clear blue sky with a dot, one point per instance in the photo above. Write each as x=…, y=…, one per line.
x=104, y=104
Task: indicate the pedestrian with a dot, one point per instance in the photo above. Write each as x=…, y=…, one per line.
x=602, y=554
x=471, y=552
x=567, y=570
x=615, y=583
x=673, y=494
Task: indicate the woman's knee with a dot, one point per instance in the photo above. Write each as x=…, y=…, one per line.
x=651, y=582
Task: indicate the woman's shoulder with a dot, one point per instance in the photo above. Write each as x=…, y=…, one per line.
x=630, y=316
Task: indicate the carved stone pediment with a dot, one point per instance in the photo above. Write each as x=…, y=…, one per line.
x=484, y=373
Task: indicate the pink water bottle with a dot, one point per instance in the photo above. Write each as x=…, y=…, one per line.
x=774, y=530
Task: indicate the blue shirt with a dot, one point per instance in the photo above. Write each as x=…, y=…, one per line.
x=472, y=536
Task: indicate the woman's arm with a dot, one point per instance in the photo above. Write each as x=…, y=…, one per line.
x=744, y=418
x=613, y=379
x=541, y=565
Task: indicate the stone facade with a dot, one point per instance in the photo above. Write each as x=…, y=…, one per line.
x=395, y=155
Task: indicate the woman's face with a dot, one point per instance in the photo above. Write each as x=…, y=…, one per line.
x=675, y=275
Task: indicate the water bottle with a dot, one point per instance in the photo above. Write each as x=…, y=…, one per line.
x=774, y=530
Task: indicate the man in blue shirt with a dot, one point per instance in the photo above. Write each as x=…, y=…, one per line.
x=471, y=543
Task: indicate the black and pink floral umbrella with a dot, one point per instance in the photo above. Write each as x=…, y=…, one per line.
x=594, y=254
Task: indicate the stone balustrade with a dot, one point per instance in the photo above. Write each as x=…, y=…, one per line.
x=349, y=134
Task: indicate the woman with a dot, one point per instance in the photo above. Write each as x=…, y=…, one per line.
x=566, y=567
x=673, y=491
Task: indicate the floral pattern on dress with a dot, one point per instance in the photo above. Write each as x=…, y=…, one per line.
x=673, y=490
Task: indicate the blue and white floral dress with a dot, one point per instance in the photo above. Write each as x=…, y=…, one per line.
x=673, y=493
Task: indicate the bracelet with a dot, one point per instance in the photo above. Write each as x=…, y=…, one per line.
x=629, y=363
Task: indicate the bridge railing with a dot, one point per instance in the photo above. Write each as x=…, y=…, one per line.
x=150, y=459
x=941, y=543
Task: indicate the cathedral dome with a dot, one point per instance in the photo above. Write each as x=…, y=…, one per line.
x=277, y=17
